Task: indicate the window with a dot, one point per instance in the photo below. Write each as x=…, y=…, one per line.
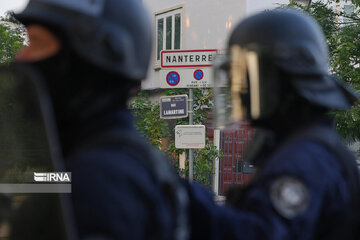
x=168, y=31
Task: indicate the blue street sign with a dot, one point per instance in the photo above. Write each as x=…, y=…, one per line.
x=174, y=106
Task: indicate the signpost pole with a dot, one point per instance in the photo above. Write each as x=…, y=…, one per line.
x=191, y=122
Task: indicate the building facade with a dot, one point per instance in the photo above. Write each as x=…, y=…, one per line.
x=200, y=24
x=204, y=25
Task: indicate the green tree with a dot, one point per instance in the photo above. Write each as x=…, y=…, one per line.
x=12, y=37
x=203, y=164
x=148, y=120
x=155, y=130
x=342, y=31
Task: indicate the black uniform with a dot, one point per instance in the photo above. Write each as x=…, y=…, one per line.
x=306, y=185
x=121, y=188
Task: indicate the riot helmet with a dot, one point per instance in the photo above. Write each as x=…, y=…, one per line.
x=113, y=34
x=273, y=56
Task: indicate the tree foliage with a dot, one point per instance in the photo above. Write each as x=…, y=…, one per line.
x=342, y=31
x=9, y=44
x=156, y=130
x=203, y=165
x=148, y=120
x=12, y=37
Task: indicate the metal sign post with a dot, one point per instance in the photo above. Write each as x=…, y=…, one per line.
x=191, y=122
x=187, y=69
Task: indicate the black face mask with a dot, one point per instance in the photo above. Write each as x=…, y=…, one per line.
x=82, y=94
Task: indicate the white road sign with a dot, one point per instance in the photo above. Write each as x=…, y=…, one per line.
x=186, y=78
x=187, y=58
x=190, y=136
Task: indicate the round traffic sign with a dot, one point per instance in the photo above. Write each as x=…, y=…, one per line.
x=173, y=78
x=198, y=74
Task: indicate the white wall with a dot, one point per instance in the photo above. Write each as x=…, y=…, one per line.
x=206, y=24
x=12, y=5
x=254, y=6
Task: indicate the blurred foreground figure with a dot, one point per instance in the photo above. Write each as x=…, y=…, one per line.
x=306, y=185
x=90, y=55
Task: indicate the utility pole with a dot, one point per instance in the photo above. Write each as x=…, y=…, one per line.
x=191, y=122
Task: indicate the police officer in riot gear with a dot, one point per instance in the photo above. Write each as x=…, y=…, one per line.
x=306, y=185
x=90, y=55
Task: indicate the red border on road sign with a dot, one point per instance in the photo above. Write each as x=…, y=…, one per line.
x=199, y=70
x=169, y=75
x=186, y=66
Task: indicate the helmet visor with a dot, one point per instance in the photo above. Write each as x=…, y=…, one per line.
x=237, y=86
